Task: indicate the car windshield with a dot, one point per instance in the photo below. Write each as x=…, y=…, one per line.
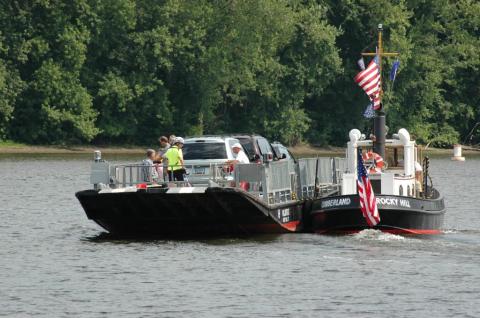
x=204, y=150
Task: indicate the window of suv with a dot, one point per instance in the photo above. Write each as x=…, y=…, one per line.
x=247, y=146
x=282, y=150
x=264, y=146
x=204, y=150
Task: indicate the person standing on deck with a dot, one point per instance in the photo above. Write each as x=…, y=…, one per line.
x=149, y=170
x=164, y=146
x=174, y=156
x=159, y=159
x=171, y=139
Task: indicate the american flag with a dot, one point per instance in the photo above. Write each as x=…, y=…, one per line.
x=368, y=203
x=369, y=81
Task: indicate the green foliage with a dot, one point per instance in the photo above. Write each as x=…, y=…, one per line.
x=65, y=113
x=9, y=143
x=127, y=71
x=10, y=87
x=289, y=127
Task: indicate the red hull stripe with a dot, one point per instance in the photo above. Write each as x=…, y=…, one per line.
x=291, y=226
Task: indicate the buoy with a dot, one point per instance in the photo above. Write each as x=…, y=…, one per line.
x=377, y=161
x=457, y=153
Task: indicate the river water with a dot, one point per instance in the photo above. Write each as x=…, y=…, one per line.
x=54, y=262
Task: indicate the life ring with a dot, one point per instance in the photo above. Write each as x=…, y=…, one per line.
x=376, y=164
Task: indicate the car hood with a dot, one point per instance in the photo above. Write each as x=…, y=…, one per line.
x=204, y=162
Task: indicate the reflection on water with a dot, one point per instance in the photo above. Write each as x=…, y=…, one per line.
x=54, y=262
x=105, y=237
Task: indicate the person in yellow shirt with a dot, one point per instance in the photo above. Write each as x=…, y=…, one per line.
x=174, y=157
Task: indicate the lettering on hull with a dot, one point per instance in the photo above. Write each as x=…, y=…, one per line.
x=347, y=202
x=336, y=202
x=394, y=202
x=283, y=215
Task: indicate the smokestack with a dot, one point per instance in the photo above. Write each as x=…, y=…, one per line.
x=380, y=132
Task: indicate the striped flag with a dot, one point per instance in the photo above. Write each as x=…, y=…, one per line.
x=369, y=81
x=368, y=203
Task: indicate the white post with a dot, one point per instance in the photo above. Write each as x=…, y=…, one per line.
x=409, y=159
x=354, y=135
x=457, y=153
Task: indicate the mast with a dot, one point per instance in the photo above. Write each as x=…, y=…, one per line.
x=379, y=121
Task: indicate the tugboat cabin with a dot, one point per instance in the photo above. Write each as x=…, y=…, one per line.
x=398, y=174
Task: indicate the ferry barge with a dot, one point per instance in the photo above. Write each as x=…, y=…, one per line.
x=257, y=198
x=188, y=211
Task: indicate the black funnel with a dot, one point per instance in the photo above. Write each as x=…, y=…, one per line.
x=380, y=132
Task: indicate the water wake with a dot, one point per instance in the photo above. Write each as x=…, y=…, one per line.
x=377, y=235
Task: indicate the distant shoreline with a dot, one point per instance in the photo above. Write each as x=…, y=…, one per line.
x=301, y=150
x=25, y=149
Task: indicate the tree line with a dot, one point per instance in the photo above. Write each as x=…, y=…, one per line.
x=128, y=71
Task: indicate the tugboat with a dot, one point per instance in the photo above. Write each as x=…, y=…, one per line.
x=406, y=202
x=392, y=193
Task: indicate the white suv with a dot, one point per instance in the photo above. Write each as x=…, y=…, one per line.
x=204, y=158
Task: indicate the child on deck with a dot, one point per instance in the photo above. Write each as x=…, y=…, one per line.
x=150, y=170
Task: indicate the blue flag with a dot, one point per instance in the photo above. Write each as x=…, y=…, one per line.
x=393, y=72
x=361, y=64
x=369, y=112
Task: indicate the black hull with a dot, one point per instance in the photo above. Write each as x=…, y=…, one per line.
x=398, y=215
x=167, y=213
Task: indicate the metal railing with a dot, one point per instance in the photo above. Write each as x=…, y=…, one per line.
x=340, y=166
x=274, y=182
x=123, y=175
x=318, y=176
x=251, y=177
x=127, y=174
x=279, y=181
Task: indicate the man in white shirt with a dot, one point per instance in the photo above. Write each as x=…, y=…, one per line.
x=238, y=154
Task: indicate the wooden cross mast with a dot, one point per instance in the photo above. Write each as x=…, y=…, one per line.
x=380, y=54
x=379, y=126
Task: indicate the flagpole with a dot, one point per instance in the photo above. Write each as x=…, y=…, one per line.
x=379, y=128
x=379, y=121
